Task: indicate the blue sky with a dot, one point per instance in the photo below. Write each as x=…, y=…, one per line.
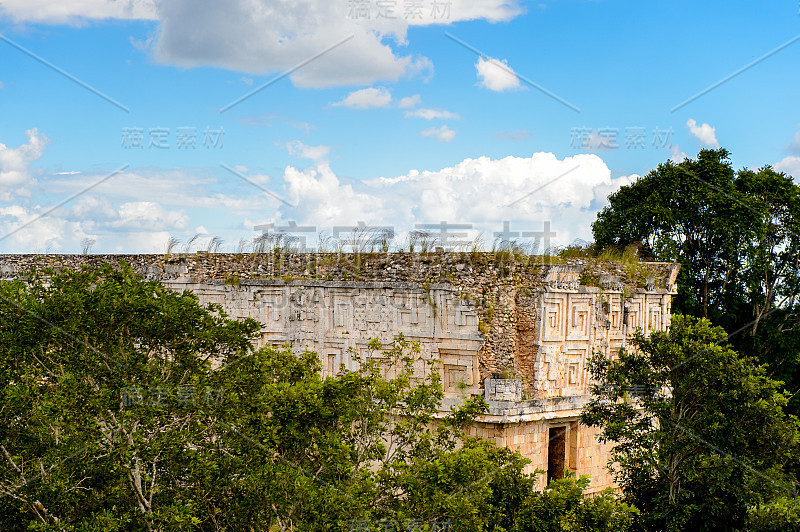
x=475, y=113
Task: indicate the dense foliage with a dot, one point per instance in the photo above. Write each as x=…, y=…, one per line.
x=125, y=406
x=736, y=236
x=699, y=431
x=705, y=443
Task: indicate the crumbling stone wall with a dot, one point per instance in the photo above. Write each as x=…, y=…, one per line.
x=521, y=302
x=518, y=329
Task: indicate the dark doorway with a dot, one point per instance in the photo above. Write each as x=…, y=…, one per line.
x=556, y=453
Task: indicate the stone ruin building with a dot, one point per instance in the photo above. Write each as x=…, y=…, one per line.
x=516, y=329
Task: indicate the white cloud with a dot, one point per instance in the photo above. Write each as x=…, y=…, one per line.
x=93, y=209
x=15, y=162
x=496, y=75
x=605, y=189
x=120, y=212
x=409, y=101
x=60, y=12
x=170, y=187
x=676, y=155
x=366, y=98
x=74, y=10
x=122, y=216
x=441, y=133
x=791, y=166
x=314, y=153
x=486, y=191
x=127, y=226
x=483, y=192
x=268, y=36
x=322, y=199
x=1, y=85
x=704, y=133
x=431, y=114
x=42, y=234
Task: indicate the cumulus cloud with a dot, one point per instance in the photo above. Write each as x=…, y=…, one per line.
x=323, y=200
x=496, y=75
x=791, y=166
x=486, y=191
x=498, y=184
x=704, y=133
x=431, y=114
x=267, y=36
x=442, y=133
x=124, y=228
x=94, y=209
x=122, y=215
x=15, y=162
x=26, y=231
x=170, y=187
x=366, y=98
x=409, y=101
x=263, y=36
x=133, y=211
x=481, y=192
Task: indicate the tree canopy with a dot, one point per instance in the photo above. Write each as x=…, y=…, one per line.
x=700, y=436
x=736, y=235
x=125, y=406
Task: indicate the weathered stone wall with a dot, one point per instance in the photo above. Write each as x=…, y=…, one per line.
x=337, y=318
x=517, y=330
x=504, y=289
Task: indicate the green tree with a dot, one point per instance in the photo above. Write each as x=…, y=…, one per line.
x=82, y=449
x=699, y=430
x=736, y=236
x=563, y=507
x=687, y=212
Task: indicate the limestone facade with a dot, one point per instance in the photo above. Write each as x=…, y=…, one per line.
x=569, y=323
x=336, y=318
x=518, y=334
